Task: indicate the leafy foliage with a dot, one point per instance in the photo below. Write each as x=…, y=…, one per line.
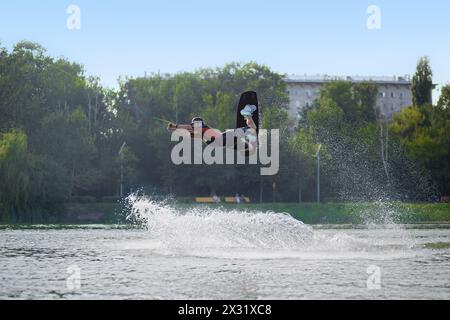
x=61, y=132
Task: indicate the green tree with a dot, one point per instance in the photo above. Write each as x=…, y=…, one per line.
x=365, y=94
x=344, y=121
x=15, y=164
x=444, y=99
x=303, y=150
x=427, y=142
x=219, y=112
x=422, y=83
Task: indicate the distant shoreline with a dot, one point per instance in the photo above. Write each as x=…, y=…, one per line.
x=309, y=213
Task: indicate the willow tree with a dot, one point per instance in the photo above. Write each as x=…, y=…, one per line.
x=14, y=177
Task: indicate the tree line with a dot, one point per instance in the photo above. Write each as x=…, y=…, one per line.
x=64, y=137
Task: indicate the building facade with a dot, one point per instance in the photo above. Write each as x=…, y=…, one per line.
x=394, y=93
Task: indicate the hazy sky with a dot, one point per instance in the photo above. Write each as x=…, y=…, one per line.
x=131, y=37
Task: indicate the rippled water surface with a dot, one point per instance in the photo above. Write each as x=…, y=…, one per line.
x=223, y=255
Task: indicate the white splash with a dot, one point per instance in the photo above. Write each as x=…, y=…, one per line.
x=217, y=228
x=238, y=234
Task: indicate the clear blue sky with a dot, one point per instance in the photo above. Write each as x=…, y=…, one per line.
x=130, y=37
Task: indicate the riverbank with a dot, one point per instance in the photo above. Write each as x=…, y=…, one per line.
x=353, y=213
x=310, y=213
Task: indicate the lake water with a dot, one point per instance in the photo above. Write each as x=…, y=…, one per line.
x=223, y=255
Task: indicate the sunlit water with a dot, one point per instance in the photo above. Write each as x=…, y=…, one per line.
x=204, y=254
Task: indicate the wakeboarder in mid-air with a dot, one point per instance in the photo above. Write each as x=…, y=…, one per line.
x=244, y=138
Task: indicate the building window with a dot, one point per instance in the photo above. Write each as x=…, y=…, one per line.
x=401, y=95
x=392, y=94
x=383, y=94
